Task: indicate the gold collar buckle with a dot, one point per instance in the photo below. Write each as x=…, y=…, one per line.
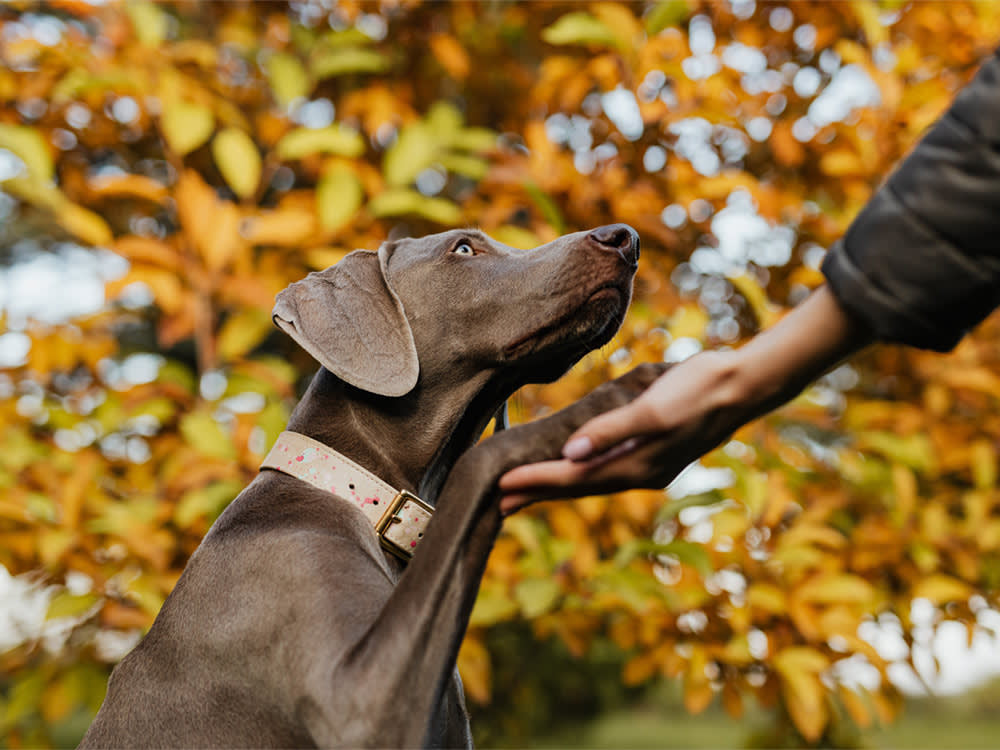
x=391, y=516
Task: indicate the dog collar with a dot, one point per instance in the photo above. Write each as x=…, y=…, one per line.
x=398, y=517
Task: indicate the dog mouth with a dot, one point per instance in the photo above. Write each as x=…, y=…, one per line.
x=587, y=326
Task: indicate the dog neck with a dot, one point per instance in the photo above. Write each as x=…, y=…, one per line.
x=410, y=442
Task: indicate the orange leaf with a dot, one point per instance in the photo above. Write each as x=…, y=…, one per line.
x=451, y=54
x=128, y=186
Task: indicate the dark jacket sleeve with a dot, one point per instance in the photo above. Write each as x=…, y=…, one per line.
x=921, y=263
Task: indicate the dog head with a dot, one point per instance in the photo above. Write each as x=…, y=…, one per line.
x=451, y=304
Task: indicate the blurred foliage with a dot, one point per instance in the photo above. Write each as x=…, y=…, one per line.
x=226, y=149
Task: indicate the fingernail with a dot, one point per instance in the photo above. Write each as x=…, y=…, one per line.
x=578, y=448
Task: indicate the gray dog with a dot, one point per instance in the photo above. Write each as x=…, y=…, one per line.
x=301, y=620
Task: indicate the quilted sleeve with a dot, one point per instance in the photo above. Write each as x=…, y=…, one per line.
x=921, y=263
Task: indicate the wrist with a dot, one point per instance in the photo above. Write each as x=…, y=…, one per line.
x=778, y=363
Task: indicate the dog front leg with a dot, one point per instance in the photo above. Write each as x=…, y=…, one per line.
x=411, y=646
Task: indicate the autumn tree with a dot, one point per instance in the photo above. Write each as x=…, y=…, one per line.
x=226, y=149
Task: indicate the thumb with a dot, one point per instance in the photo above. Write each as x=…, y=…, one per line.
x=608, y=430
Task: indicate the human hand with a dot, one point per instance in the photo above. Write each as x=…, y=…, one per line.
x=692, y=408
x=686, y=412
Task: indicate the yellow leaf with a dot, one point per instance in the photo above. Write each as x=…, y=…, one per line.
x=620, y=20
x=327, y=63
x=339, y=195
x=688, y=322
x=522, y=239
x=475, y=669
x=914, y=450
x=319, y=258
x=536, y=596
x=205, y=435
x=755, y=295
x=53, y=544
x=868, y=14
x=148, y=20
x=836, y=589
x=403, y=202
x=336, y=139
x=65, y=604
x=414, y=150
x=983, y=460
x=698, y=691
x=940, y=589
x=29, y=145
x=242, y=332
x=165, y=286
x=238, y=160
x=579, y=28
x=186, y=126
x=841, y=162
x=289, y=79
x=766, y=597
x=804, y=694
x=85, y=225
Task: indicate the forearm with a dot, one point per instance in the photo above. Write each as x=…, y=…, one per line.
x=778, y=363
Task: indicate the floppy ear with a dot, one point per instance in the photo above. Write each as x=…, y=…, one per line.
x=352, y=322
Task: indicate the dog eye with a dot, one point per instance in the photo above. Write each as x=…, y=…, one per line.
x=464, y=249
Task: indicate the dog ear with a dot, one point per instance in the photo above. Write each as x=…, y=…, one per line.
x=349, y=318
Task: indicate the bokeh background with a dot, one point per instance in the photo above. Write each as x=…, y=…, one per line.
x=827, y=578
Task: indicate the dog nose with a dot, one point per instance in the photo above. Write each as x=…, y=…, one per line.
x=621, y=238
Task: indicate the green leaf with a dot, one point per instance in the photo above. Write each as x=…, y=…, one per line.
x=205, y=502
x=336, y=139
x=579, y=28
x=523, y=239
x=65, y=604
x=176, y=373
x=206, y=435
x=473, y=139
x=492, y=606
x=403, y=202
x=327, y=63
x=444, y=119
x=186, y=126
x=674, y=507
x=30, y=147
x=339, y=195
x=468, y=166
x=688, y=553
x=914, y=451
x=24, y=696
x=289, y=79
x=149, y=22
x=161, y=409
x=238, y=160
x=666, y=14
x=415, y=149
x=272, y=420
x=79, y=81
x=242, y=332
x=536, y=596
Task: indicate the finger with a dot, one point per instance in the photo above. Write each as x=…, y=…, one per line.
x=541, y=474
x=511, y=503
x=608, y=430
